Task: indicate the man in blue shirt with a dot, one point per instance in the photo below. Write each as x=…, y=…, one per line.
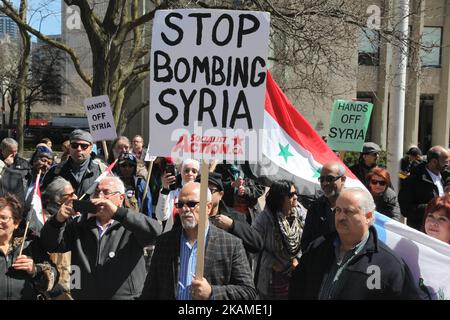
x=226, y=274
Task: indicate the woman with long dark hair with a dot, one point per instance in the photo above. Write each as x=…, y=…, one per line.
x=280, y=225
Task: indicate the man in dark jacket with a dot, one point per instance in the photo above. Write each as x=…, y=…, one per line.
x=320, y=218
x=424, y=183
x=227, y=275
x=107, y=247
x=11, y=182
x=367, y=161
x=230, y=220
x=10, y=157
x=352, y=263
x=80, y=169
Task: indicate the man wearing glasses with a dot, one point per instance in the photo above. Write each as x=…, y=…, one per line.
x=107, y=245
x=80, y=169
x=227, y=273
x=367, y=161
x=320, y=217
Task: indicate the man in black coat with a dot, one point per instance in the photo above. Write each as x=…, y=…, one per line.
x=367, y=161
x=424, y=183
x=320, y=218
x=351, y=263
x=107, y=247
x=80, y=169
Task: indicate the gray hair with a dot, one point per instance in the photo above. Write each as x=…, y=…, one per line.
x=366, y=204
x=117, y=182
x=7, y=143
x=193, y=162
x=55, y=190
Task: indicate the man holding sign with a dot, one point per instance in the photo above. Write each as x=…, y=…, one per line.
x=227, y=273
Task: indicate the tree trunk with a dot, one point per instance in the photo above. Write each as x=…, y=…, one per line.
x=23, y=73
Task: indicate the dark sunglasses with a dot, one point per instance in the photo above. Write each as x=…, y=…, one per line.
x=75, y=145
x=292, y=194
x=380, y=182
x=190, y=204
x=329, y=179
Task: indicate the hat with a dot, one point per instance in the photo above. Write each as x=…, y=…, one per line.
x=79, y=134
x=370, y=147
x=127, y=157
x=215, y=179
x=414, y=151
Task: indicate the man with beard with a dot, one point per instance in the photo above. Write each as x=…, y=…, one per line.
x=320, y=217
x=227, y=273
x=80, y=169
x=425, y=182
x=351, y=263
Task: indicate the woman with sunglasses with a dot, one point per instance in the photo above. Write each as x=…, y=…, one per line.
x=166, y=210
x=378, y=182
x=280, y=225
x=436, y=221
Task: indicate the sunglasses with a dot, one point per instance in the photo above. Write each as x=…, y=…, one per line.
x=75, y=145
x=190, y=204
x=292, y=194
x=329, y=179
x=380, y=182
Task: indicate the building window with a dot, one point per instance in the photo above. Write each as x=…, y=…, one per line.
x=430, y=53
x=368, y=50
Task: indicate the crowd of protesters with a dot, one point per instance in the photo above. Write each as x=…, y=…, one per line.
x=123, y=237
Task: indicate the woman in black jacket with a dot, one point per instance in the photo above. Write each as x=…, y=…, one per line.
x=22, y=276
x=378, y=182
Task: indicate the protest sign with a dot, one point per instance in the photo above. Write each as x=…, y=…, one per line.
x=208, y=67
x=348, y=125
x=100, y=118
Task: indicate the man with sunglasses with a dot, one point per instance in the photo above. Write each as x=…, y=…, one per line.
x=106, y=245
x=320, y=217
x=227, y=273
x=80, y=169
x=367, y=161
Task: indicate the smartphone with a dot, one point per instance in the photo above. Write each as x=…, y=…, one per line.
x=84, y=206
x=170, y=168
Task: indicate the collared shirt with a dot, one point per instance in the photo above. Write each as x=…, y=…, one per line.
x=330, y=281
x=188, y=262
x=101, y=230
x=437, y=180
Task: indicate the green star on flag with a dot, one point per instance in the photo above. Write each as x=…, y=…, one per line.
x=285, y=152
x=316, y=172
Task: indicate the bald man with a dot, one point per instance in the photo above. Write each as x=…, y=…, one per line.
x=320, y=217
x=227, y=274
x=424, y=183
x=351, y=263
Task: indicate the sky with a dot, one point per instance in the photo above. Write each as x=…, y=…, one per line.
x=44, y=15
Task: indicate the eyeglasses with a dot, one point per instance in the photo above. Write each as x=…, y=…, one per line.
x=5, y=219
x=105, y=193
x=187, y=170
x=292, y=194
x=190, y=204
x=380, y=182
x=69, y=194
x=329, y=178
x=75, y=145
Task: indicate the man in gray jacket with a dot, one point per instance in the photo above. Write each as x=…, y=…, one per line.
x=107, y=246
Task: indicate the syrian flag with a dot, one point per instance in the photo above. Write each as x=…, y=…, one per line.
x=36, y=216
x=291, y=148
x=106, y=173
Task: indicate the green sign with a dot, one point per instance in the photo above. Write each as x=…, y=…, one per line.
x=348, y=125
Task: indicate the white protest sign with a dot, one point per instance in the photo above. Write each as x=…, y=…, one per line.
x=208, y=83
x=100, y=118
x=148, y=156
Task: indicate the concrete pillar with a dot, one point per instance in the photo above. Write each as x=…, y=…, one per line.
x=381, y=101
x=441, y=109
x=412, y=106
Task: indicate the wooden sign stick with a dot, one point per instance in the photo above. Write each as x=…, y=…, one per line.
x=199, y=268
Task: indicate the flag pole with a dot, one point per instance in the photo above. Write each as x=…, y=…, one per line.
x=147, y=180
x=28, y=218
x=105, y=150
